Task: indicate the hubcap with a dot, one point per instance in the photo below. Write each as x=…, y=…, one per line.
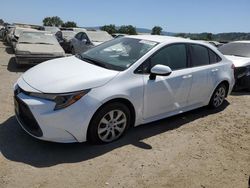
x=219, y=96
x=112, y=125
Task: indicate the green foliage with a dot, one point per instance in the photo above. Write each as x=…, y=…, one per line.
x=52, y=21
x=127, y=29
x=156, y=30
x=223, y=37
x=109, y=28
x=1, y=22
x=69, y=24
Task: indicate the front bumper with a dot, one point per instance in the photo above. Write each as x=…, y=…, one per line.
x=38, y=118
x=33, y=59
x=242, y=78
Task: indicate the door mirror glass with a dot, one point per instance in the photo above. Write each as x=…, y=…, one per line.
x=159, y=70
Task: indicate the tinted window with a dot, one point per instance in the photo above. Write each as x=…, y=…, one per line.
x=213, y=57
x=236, y=49
x=199, y=55
x=173, y=56
x=78, y=36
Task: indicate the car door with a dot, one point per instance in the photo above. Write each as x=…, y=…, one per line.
x=201, y=85
x=76, y=42
x=85, y=43
x=167, y=94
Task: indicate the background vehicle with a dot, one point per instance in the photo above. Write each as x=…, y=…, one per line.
x=50, y=29
x=124, y=82
x=117, y=35
x=16, y=34
x=67, y=37
x=88, y=39
x=37, y=46
x=239, y=53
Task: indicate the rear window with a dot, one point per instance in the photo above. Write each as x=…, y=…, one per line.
x=236, y=49
x=199, y=55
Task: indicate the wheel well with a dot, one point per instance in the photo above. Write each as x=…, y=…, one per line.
x=226, y=84
x=119, y=100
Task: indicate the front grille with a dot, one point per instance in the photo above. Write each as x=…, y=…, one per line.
x=26, y=118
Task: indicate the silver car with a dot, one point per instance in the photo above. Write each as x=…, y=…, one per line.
x=36, y=47
x=88, y=39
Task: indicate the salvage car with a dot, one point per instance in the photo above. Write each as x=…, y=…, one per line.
x=239, y=53
x=97, y=95
x=16, y=34
x=37, y=46
x=88, y=39
x=67, y=37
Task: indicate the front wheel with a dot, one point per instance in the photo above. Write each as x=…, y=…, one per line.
x=109, y=123
x=218, y=96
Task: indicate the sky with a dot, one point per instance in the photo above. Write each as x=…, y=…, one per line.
x=192, y=16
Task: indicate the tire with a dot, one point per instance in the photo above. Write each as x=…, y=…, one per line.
x=105, y=129
x=218, y=96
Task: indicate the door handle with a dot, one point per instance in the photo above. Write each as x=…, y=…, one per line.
x=187, y=76
x=214, y=70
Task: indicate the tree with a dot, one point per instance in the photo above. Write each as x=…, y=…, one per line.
x=209, y=36
x=52, y=21
x=109, y=28
x=127, y=29
x=1, y=22
x=69, y=24
x=156, y=30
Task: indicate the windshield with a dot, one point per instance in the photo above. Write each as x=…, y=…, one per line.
x=236, y=49
x=98, y=36
x=68, y=34
x=18, y=31
x=37, y=38
x=118, y=54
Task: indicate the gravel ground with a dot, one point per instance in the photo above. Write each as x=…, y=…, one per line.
x=201, y=148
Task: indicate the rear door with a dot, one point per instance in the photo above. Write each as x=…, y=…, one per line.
x=203, y=72
x=167, y=94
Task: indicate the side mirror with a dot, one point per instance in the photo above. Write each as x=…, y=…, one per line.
x=159, y=70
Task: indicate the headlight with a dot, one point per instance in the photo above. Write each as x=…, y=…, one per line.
x=61, y=100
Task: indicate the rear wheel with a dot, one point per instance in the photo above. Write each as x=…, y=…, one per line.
x=218, y=96
x=109, y=123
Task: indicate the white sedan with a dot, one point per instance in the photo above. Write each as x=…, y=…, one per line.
x=128, y=81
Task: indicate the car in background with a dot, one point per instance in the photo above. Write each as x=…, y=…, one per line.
x=75, y=29
x=16, y=33
x=67, y=36
x=239, y=53
x=97, y=95
x=88, y=39
x=37, y=46
x=51, y=29
x=117, y=35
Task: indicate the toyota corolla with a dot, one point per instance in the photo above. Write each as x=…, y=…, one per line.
x=128, y=81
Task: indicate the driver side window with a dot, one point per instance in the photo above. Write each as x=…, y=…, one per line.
x=174, y=56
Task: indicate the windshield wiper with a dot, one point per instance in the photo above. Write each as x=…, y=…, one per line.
x=43, y=43
x=92, y=61
x=25, y=43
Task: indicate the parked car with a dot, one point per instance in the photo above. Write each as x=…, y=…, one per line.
x=51, y=29
x=239, y=53
x=16, y=33
x=124, y=82
x=67, y=37
x=88, y=39
x=75, y=29
x=117, y=35
x=37, y=46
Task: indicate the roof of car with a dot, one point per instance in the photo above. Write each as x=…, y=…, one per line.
x=159, y=38
x=242, y=41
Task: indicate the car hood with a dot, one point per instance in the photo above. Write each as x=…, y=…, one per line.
x=239, y=61
x=40, y=49
x=67, y=74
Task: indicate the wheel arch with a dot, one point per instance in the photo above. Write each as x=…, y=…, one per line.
x=117, y=100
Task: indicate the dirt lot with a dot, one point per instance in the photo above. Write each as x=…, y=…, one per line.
x=202, y=148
